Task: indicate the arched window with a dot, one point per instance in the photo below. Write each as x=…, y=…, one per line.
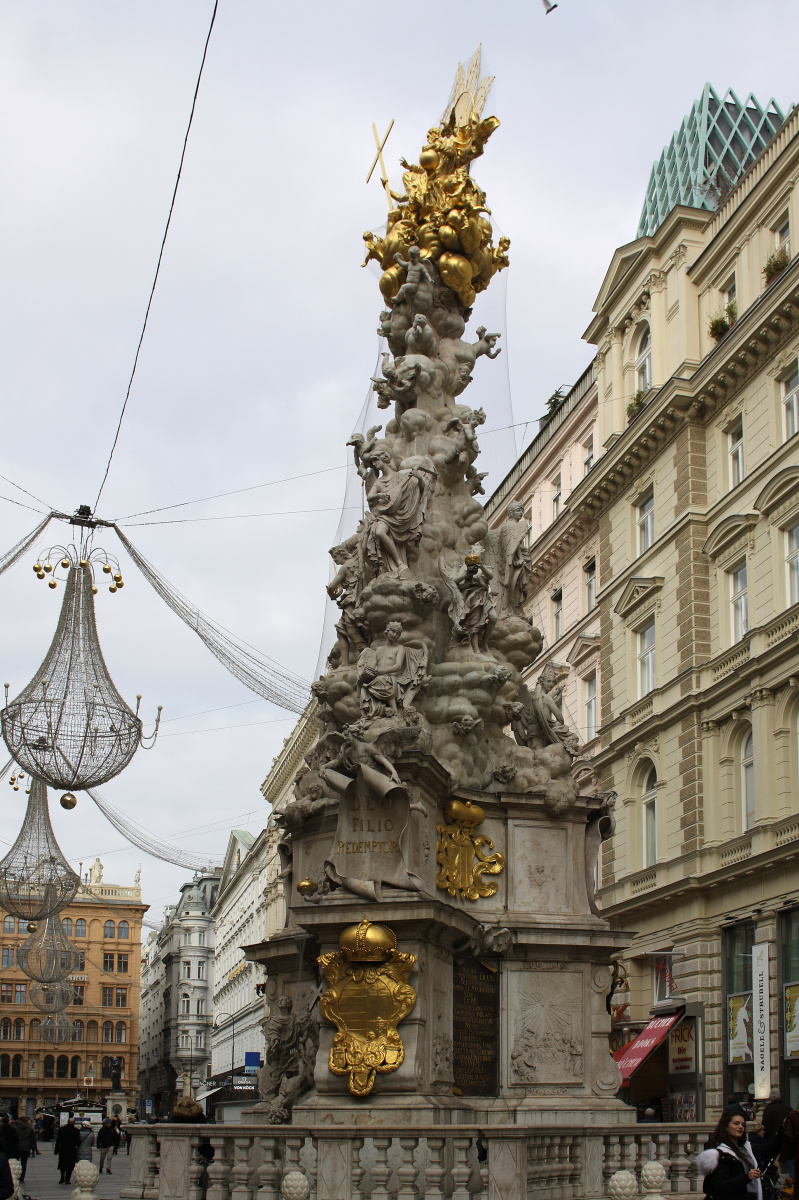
x=123, y=929
x=80, y=927
x=107, y=1061
x=49, y=1066
x=33, y=1032
x=8, y=924
x=5, y=1029
x=748, y=782
x=77, y=1031
x=5, y=1066
x=62, y=1067
x=91, y=1031
x=19, y=1030
x=108, y=929
x=643, y=361
x=66, y=925
x=74, y=1067
x=121, y=1032
x=16, y=1066
x=185, y=1004
x=108, y=1031
x=649, y=813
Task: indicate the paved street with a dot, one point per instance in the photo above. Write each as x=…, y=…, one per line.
x=41, y=1180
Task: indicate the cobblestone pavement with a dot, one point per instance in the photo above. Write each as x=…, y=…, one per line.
x=41, y=1180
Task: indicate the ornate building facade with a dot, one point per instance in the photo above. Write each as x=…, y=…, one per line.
x=104, y=923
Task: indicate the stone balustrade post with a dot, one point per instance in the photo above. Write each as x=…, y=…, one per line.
x=219, y=1169
x=357, y=1171
x=460, y=1169
x=241, y=1172
x=435, y=1168
x=380, y=1171
x=271, y=1168
x=150, y=1191
x=407, y=1171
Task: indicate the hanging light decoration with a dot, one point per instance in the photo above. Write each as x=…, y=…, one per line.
x=70, y=726
x=51, y=997
x=35, y=878
x=47, y=955
x=56, y=1029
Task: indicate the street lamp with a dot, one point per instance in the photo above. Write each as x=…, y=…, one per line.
x=232, y=1018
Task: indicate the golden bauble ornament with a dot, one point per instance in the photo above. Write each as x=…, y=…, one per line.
x=68, y=801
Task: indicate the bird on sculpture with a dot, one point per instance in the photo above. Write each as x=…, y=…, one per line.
x=548, y=8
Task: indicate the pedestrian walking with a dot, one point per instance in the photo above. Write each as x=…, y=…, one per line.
x=85, y=1142
x=728, y=1163
x=9, y=1142
x=66, y=1147
x=106, y=1140
x=774, y=1114
x=117, y=1123
x=26, y=1142
x=7, y=1188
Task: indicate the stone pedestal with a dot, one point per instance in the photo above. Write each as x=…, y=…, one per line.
x=116, y=1105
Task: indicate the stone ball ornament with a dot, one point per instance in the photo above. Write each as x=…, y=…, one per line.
x=653, y=1176
x=622, y=1186
x=295, y=1186
x=86, y=1175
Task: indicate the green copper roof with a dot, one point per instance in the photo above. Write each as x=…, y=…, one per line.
x=717, y=142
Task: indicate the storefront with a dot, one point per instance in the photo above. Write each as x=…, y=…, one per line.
x=788, y=983
x=663, y=1069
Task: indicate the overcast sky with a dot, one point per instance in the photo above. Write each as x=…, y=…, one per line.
x=262, y=334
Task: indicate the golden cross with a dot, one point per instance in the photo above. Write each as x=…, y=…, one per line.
x=379, y=159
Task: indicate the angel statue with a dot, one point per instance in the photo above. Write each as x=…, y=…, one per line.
x=345, y=589
x=537, y=718
x=354, y=753
x=398, y=503
x=509, y=554
x=471, y=609
x=390, y=676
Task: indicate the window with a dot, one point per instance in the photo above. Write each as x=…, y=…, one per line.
x=665, y=986
x=187, y=970
x=62, y=1067
x=78, y=993
x=590, y=707
x=77, y=1031
x=184, y=1005
x=8, y=956
x=557, y=614
x=5, y=1029
x=16, y=1066
x=74, y=1067
x=49, y=1066
x=556, y=497
x=643, y=362
x=199, y=1041
x=730, y=293
x=33, y=1030
x=186, y=939
x=646, y=657
x=649, y=807
x=5, y=1066
x=66, y=925
x=185, y=1041
x=735, y=438
x=108, y=929
x=124, y=929
x=200, y=939
x=201, y=970
x=108, y=1031
x=81, y=961
x=748, y=782
x=91, y=1031
x=588, y=455
x=646, y=522
x=8, y=924
x=783, y=237
x=108, y=997
x=590, y=585
x=6, y=993
x=107, y=1064
x=122, y=998
x=19, y=1030
x=122, y=964
x=739, y=603
x=790, y=403
x=80, y=927
x=200, y=1008
x=120, y=1032
x=108, y=961
x=792, y=560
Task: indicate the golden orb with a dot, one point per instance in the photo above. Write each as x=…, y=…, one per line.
x=120, y=584
x=68, y=801
x=37, y=567
x=53, y=583
x=368, y=943
x=472, y=560
x=117, y=577
x=112, y=588
x=84, y=562
x=48, y=567
x=107, y=568
x=65, y=563
x=94, y=589
x=32, y=926
x=40, y=574
x=429, y=159
x=307, y=887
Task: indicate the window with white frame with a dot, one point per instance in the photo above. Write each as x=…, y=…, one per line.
x=187, y=970
x=735, y=439
x=590, y=585
x=748, y=782
x=200, y=939
x=643, y=362
x=200, y=1007
x=783, y=236
x=730, y=294
x=199, y=1041
x=790, y=403
x=792, y=559
x=556, y=497
x=649, y=814
x=646, y=657
x=646, y=521
x=201, y=969
x=588, y=454
x=185, y=1041
x=739, y=602
x=184, y=1005
x=557, y=614
x=590, y=707
x=665, y=986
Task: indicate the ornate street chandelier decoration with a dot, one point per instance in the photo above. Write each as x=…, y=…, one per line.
x=47, y=955
x=56, y=1029
x=70, y=726
x=51, y=997
x=35, y=878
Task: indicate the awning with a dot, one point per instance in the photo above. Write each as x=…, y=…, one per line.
x=629, y=1057
x=210, y=1092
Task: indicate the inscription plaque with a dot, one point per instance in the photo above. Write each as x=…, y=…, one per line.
x=475, y=1029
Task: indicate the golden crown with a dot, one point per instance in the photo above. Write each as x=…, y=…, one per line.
x=464, y=812
x=368, y=943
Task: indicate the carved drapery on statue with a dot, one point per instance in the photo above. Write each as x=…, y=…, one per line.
x=291, y=1042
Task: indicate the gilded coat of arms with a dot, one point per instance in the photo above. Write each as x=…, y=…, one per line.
x=367, y=997
x=460, y=853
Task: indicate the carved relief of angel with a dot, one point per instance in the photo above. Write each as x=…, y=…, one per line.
x=471, y=608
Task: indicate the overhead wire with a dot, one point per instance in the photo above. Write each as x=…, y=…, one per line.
x=288, y=512
x=160, y=254
x=217, y=728
x=27, y=493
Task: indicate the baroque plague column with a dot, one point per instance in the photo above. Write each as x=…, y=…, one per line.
x=442, y=947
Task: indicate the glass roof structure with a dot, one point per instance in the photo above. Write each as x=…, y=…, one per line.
x=717, y=142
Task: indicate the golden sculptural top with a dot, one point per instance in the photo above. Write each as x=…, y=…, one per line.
x=443, y=211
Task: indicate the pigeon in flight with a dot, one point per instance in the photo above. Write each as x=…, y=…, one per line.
x=549, y=7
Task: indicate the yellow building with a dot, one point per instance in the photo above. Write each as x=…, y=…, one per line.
x=104, y=923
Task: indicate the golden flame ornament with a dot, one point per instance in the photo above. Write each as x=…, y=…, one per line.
x=368, y=995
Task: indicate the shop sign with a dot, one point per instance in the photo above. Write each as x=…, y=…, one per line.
x=761, y=1033
x=682, y=1049
x=739, y=1027
x=790, y=995
x=252, y=1062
